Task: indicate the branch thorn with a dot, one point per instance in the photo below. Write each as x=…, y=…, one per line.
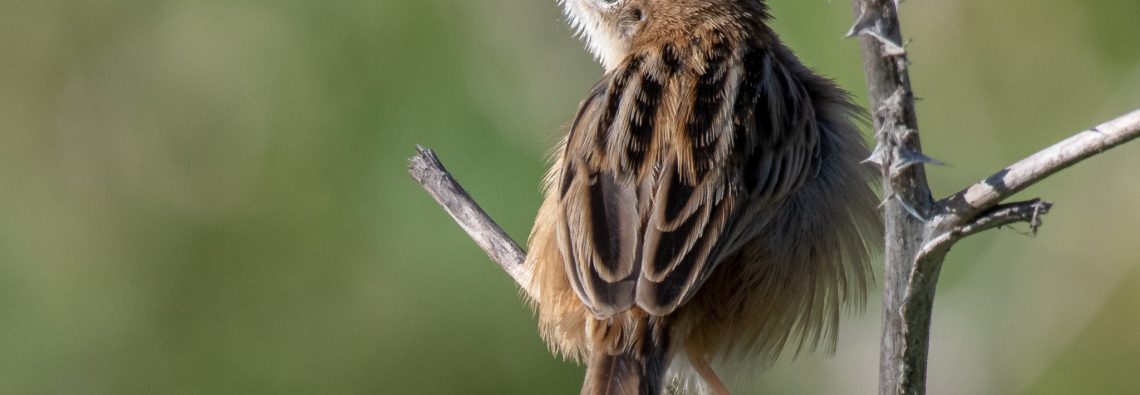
x=878, y=156
x=862, y=24
x=907, y=158
x=910, y=209
x=890, y=48
x=886, y=200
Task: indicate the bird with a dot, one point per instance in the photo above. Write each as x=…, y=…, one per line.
x=708, y=207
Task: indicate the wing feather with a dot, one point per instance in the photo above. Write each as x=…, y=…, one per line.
x=599, y=204
x=655, y=192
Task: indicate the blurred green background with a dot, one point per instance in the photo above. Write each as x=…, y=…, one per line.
x=210, y=196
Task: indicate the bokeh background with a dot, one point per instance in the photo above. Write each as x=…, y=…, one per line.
x=210, y=196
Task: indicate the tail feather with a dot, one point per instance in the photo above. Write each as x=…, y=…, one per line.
x=636, y=371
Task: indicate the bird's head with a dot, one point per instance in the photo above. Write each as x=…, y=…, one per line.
x=611, y=28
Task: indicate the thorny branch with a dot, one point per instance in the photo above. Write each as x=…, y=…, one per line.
x=920, y=232
x=908, y=202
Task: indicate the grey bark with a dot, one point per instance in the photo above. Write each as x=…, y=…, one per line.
x=427, y=170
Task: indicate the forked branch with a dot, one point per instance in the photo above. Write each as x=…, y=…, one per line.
x=920, y=232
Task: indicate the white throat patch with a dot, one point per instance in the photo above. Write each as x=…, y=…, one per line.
x=602, y=41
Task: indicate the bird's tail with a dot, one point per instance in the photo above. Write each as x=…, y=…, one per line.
x=638, y=370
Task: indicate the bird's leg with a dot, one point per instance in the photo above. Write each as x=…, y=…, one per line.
x=702, y=367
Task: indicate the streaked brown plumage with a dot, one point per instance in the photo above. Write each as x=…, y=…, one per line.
x=707, y=207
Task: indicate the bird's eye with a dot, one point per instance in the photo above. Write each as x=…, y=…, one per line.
x=609, y=2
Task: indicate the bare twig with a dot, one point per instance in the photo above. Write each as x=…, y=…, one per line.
x=1003, y=184
x=427, y=170
x=1029, y=211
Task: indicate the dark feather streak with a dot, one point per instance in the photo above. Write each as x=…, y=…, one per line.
x=706, y=109
x=613, y=101
x=641, y=124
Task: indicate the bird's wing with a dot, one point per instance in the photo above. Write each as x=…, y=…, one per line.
x=600, y=230
x=655, y=193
